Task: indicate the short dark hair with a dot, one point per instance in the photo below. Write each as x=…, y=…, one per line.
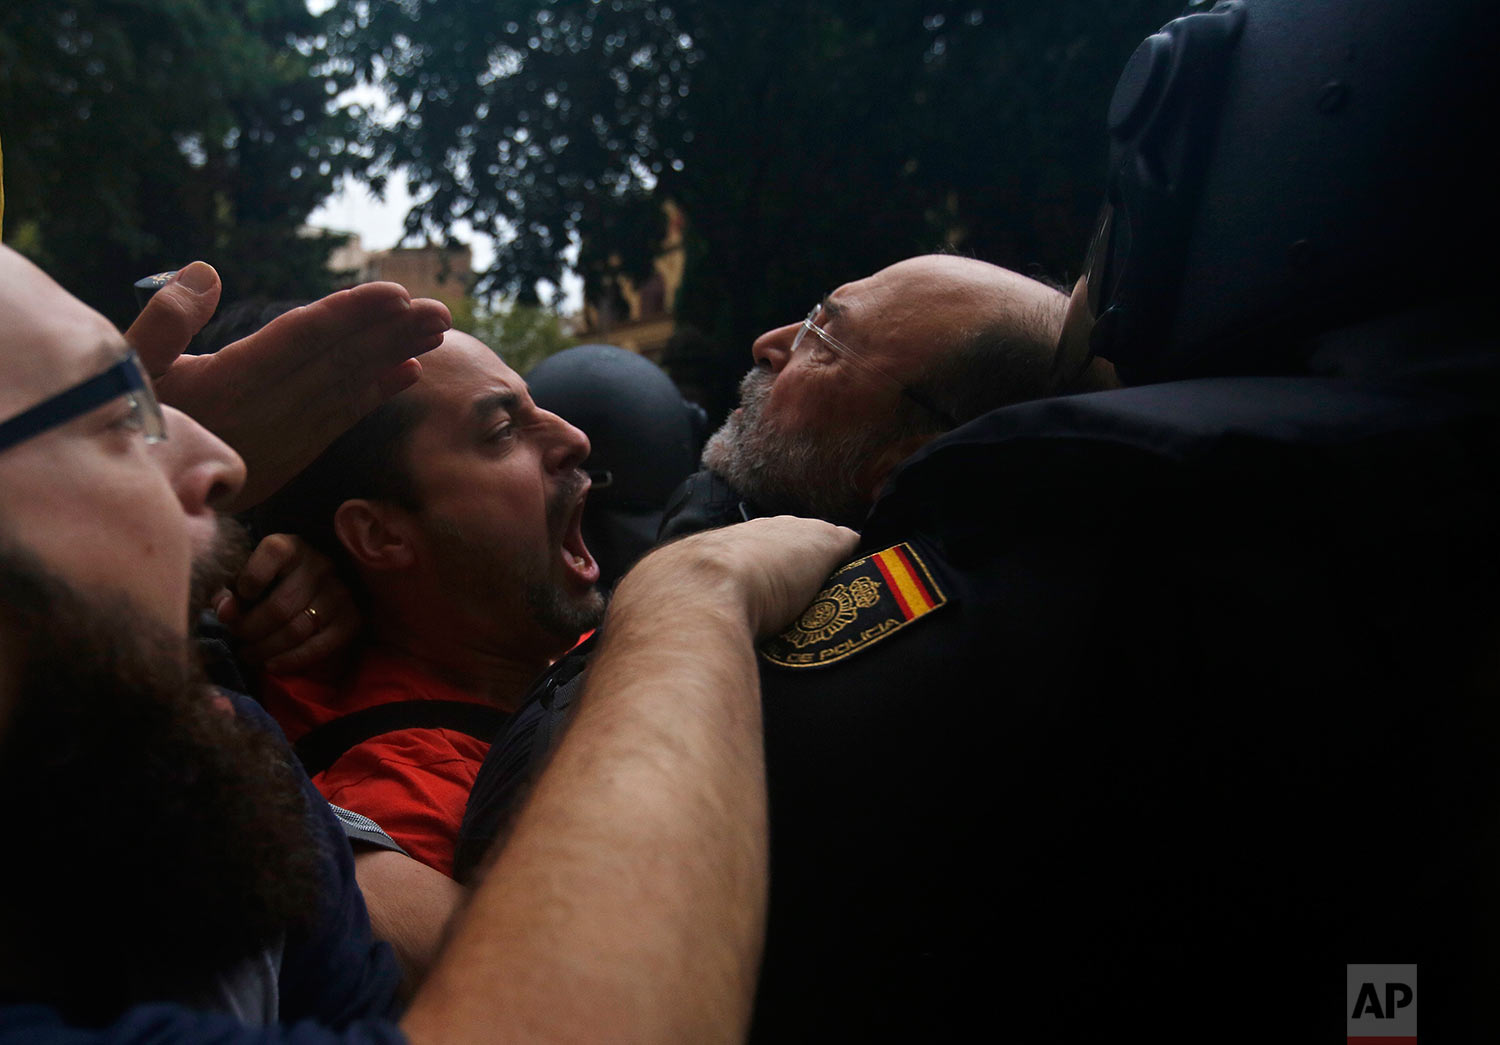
x=370, y=461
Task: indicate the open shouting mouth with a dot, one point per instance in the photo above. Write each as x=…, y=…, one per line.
x=577, y=562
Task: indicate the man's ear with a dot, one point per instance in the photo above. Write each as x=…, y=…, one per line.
x=376, y=534
x=879, y=467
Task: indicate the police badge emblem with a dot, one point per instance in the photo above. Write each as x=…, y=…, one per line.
x=864, y=602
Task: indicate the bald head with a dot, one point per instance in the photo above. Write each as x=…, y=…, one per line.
x=970, y=335
x=923, y=308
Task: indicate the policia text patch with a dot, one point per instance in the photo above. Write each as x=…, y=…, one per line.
x=864, y=602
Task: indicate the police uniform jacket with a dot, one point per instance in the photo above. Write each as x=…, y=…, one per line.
x=1138, y=703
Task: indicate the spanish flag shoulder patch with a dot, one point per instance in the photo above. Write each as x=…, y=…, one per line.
x=864, y=602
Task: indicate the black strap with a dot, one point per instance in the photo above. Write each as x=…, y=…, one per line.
x=323, y=746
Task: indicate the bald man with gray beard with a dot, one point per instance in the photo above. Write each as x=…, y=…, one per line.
x=880, y=367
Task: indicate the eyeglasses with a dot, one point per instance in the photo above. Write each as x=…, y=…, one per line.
x=810, y=326
x=124, y=378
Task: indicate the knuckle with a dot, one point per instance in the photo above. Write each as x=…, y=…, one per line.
x=281, y=546
x=284, y=605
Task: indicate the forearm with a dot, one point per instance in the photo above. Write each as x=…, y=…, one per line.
x=410, y=905
x=630, y=899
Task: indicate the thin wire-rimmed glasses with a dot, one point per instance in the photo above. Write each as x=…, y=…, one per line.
x=126, y=377
x=810, y=326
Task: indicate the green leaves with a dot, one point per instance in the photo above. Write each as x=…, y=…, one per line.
x=808, y=141
x=529, y=121
x=141, y=134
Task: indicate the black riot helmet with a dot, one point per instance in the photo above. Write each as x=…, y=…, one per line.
x=645, y=440
x=1283, y=168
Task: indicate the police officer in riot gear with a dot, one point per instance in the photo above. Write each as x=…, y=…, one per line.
x=1204, y=710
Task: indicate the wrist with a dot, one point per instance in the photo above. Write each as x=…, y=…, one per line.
x=688, y=587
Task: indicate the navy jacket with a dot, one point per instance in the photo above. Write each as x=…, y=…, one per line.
x=1188, y=702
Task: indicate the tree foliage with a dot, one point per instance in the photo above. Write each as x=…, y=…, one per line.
x=139, y=135
x=808, y=141
x=532, y=121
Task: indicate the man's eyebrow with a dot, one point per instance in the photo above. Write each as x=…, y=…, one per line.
x=106, y=352
x=493, y=403
x=831, y=309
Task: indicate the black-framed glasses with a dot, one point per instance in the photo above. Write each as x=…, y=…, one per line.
x=810, y=326
x=126, y=377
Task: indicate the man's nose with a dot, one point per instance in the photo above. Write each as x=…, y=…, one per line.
x=204, y=472
x=568, y=447
x=774, y=348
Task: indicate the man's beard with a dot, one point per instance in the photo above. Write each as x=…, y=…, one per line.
x=215, y=568
x=156, y=839
x=799, y=473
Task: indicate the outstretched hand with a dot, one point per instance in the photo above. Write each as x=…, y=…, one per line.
x=281, y=395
